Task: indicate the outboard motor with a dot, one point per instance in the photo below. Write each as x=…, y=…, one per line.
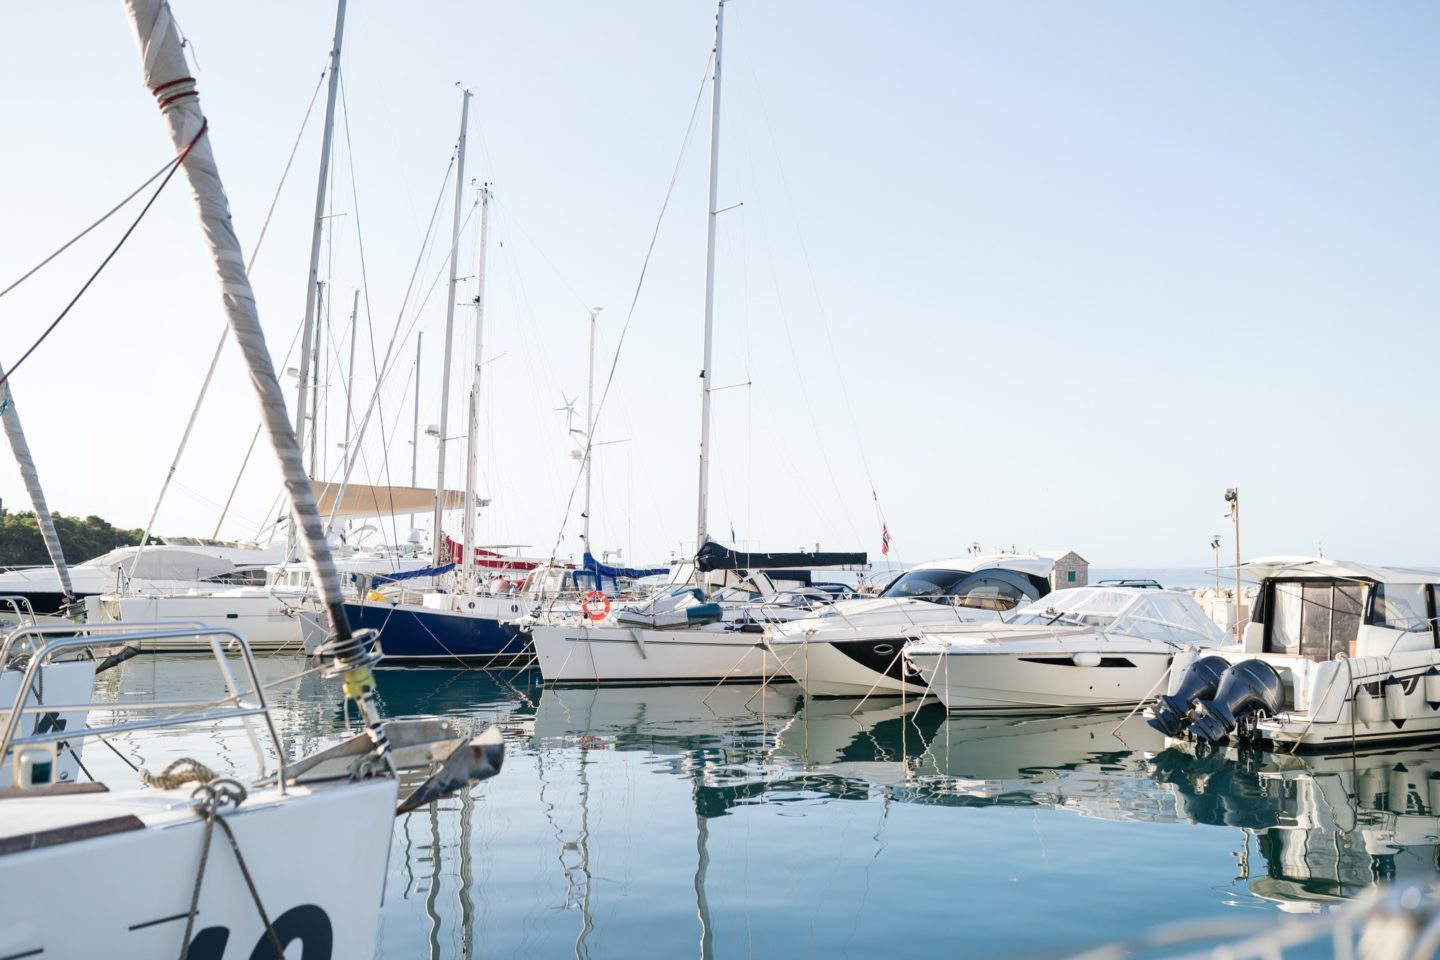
x=1199, y=682
x=1246, y=688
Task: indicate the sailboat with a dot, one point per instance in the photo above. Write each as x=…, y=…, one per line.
x=141, y=860
x=681, y=635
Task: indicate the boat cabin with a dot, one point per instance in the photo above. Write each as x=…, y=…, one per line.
x=1319, y=609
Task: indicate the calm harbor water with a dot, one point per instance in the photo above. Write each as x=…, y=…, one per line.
x=677, y=821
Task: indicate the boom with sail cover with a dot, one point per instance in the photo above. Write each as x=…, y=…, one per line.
x=714, y=556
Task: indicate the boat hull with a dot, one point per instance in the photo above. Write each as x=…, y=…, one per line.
x=575, y=653
x=1039, y=681
x=418, y=634
x=266, y=621
x=133, y=866
x=850, y=668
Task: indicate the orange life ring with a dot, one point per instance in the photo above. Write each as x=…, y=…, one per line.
x=595, y=596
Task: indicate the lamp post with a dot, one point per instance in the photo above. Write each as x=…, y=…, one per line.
x=1215, y=545
x=1232, y=497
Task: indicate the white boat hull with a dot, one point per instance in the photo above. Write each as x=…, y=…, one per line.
x=574, y=653
x=1037, y=682
x=133, y=884
x=266, y=620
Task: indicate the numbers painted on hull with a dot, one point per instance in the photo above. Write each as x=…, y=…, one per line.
x=306, y=924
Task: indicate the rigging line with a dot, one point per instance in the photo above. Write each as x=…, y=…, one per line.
x=75, y=239
x=387, y=363
x=814, y=285
x=799, y=371
x=174, y=165
x=369, y=318
x=505, y=209
x=635, y=299
x=220, y=346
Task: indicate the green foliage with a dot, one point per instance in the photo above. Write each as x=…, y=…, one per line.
x=20, y=542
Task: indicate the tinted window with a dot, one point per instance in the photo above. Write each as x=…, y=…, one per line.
x=1314, y=618
x=925, y=583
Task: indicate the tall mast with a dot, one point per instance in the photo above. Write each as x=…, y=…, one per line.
x=168, y=76
x=28, y=473
x=350, y=377
x=701, y=534
x=439, y=538
x=472, y=432
x=321, y=308
x=312, y=284
x=589, y=435
x=415, y=428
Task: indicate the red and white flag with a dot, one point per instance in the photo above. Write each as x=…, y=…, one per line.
x=884, y=539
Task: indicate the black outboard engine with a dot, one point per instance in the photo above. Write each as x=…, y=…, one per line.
x=1199, y=682
x=1246, y=688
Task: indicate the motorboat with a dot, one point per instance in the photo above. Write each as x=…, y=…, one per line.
x=707, y=627
x=852, y=648
x=1336, y=654
x=1090, y=648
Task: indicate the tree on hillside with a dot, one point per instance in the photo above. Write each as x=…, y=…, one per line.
x=21, y=545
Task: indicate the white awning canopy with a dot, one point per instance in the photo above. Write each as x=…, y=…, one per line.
x=363, y=500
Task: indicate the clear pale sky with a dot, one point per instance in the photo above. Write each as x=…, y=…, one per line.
x=1050, y=274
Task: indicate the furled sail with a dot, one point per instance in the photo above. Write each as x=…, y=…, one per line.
x=43, y=520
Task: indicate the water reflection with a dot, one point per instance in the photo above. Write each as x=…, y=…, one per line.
x=1326, y=826
x=748, y=821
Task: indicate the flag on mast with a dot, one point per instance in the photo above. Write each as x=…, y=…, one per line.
x=884, y=539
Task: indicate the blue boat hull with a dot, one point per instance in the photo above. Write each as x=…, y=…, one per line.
x=415, y=634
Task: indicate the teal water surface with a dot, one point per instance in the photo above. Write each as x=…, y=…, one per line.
x=741, y=822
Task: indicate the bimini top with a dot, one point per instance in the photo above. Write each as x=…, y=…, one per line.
x=1263, y=568
x=1134, y=611
x=1030, y=563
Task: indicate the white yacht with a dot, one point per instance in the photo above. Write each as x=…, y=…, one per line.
x=265, y=615
x=852, y=648
x=178, y=564
x=1084, y=649
x=1336, y=654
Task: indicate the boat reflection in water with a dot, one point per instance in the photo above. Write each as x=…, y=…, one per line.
x=1326, y=826
x=684, y=818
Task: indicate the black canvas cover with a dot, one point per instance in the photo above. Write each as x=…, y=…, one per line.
x=715, y=556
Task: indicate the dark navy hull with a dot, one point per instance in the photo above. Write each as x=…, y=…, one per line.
x=414, y=634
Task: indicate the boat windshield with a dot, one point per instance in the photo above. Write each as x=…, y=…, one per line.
x=927, y=584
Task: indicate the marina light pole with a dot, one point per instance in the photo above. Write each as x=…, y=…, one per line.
x=1215, y=545
x=1232, y=497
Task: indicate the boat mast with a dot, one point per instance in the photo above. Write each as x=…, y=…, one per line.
x=321, y=308
x=415, y=427
x=439, y=539
x=28, y=473
x=313, y=281
x=589, y=435
x=701, y=525
x=168, y=76
x=350, y=376
x=469, y=569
